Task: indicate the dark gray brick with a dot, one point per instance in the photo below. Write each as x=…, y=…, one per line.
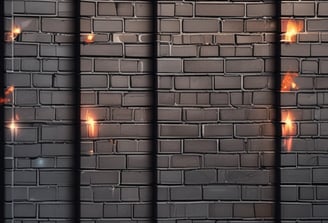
x=201, y=176
x=220, y=10
x=203, y=66
x=200, y=26
x=102, y=50
x=57, y=25
x=185, y=193
x=107, y=25
x=24, y=210
x=244, y=66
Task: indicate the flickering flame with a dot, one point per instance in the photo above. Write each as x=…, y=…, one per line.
x=292, y=29
x=91, y=125
x=12, y=125
x=288, y=83
x=90, y=38
x=11, y=36
x=8, y=91
x=288, y=131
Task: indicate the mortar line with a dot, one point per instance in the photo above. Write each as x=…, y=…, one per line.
x=277, y=117
x=154, y=124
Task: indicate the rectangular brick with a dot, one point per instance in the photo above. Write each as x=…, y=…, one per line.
x=220, y=10
x=102, y=50
x=185, y=193
x=107, y=25
x=203, y=66
x=204, y=176
x=57, y=25
x=176, y=131
x=200, y=146
x=200, y=26
x=244, y=66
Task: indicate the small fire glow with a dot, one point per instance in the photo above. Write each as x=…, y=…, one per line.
x=292, y=28
x=8, y=91
x=90, y=38
x=12, y=125
x=288, y=82
x=91, y=124
x=288, y=130
x=11, y=36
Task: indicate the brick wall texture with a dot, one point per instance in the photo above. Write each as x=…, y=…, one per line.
x=215, y=95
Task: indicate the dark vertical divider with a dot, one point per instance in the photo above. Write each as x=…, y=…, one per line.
x=277, y=107
x=154, y=111
x=77, y=114
x=2, y=116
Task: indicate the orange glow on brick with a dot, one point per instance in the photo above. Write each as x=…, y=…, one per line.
x=8, y=91
x=291, y=29
x=91, y=125
x=288, y=82
x=11, y=36
x=90, y=38
x=12, y=125
x=288, y=130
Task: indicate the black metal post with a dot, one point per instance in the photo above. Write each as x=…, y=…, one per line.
x=76, y=115
x=154, y=112
x=2, y=115
x=277, y=107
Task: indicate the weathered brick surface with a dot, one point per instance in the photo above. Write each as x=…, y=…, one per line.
x=215, y=81
x=40, y=148
x=302, y=173
x=116, y=162
x=219, y=86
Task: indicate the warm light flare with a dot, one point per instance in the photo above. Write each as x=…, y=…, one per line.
x=288, y=130
x=12, y=125
x=292, y=28
x=288, y=83
x=91, y=125
x=8, y=91
x=90, y=38
x=11, y=36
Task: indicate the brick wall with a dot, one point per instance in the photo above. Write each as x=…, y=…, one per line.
x=39, y=150
x=216, y=134
x=116, y=89
x=304, y=170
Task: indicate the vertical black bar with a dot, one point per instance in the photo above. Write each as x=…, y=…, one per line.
x=77, y=114
x=2, y=115
x=277, y=107
x=154, y=112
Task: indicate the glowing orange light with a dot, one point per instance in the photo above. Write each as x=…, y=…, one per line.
x=288, y=83
x=91, y=125
x=17, y=30
x=11, y=36
x=12, y=125
x=90, y=38
x=288, y=130
x=7, y=92
x=292, y=29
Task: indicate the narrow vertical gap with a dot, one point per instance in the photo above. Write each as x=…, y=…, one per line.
x=277, y=108
x=2, y=115
x=76, y=115
x=154, y=112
